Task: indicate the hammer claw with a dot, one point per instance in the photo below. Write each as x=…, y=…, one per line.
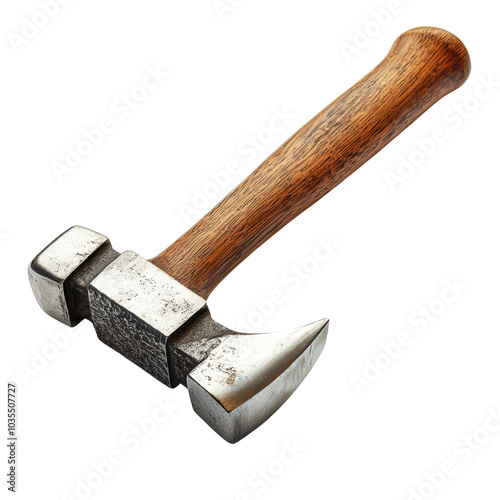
x=246, y=378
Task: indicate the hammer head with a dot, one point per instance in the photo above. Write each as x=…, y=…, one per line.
x=236, y=381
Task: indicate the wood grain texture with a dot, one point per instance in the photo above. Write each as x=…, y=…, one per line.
x=423, y=65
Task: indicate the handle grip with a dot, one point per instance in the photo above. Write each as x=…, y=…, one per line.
x=423, y=65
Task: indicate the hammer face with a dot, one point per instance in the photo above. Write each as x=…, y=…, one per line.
x=52, y=269
x=136, y=307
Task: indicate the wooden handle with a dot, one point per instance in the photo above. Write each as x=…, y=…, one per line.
x=423, y=65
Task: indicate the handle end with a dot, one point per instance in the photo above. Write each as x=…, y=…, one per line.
x=444, y=55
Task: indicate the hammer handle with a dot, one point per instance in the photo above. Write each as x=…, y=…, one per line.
x=423, y=65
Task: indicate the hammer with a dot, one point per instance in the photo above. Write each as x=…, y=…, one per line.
x=154, y=312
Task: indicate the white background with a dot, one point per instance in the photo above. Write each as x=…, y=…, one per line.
x=397, y=248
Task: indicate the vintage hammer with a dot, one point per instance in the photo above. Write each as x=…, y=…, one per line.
x=154, y=312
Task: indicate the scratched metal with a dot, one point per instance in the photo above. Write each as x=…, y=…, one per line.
x=135, y=307
x=246, y=378
x=52, y=269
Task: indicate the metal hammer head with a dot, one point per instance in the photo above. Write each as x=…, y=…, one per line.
x=236, y=381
